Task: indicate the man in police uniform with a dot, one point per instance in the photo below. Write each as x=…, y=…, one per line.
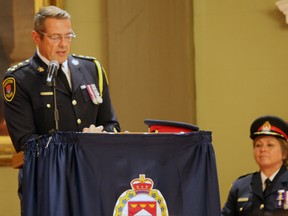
x=82, y=96
x=264, y=192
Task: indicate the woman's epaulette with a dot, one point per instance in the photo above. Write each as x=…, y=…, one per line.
x=247, y=174
x=19, y=65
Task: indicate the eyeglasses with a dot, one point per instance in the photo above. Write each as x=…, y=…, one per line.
x=57, y=37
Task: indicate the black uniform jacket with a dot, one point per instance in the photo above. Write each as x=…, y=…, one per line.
x=28, y=103
x=246, y=196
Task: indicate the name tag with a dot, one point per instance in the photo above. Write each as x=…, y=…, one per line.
x=243, y=199
x=46, y=93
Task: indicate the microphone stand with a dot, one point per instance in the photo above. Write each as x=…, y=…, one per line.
x=56, y=113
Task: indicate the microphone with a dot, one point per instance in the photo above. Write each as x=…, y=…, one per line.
x=52, y=71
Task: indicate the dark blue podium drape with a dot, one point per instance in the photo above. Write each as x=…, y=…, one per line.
x=75, y=174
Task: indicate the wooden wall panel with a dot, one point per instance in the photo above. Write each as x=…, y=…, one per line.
x=150, y=54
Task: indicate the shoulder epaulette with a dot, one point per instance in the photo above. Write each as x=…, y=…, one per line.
x=19, y=65
x=246, y=175
x=99, y=69
x=84, y=57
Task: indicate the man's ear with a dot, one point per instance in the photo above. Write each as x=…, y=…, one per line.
x=36, y=37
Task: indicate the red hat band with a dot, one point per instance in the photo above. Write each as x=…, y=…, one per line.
x=266, y=127
x=165, y=128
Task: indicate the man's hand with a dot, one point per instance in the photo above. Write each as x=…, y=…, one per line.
x=93, y=129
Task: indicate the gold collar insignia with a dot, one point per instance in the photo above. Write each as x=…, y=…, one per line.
x=40, y=69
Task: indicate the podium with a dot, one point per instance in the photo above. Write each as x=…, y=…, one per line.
x=73, y=174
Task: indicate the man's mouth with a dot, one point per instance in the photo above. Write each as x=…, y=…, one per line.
x=61, y=53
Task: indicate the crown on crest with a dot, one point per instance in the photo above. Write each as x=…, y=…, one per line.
x=142, y=184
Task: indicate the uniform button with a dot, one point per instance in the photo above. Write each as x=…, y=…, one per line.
x=74, y=102
x=79, y=121
x=48, y=105
x=261, y=206
x=241, y=209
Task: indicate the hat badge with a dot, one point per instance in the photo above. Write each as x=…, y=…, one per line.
x=266, y=127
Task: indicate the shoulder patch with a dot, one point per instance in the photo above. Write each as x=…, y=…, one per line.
x=19, y=65
x=84, y=57
x=9, y=88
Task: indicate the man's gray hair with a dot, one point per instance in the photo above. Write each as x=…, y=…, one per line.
x=48, y=12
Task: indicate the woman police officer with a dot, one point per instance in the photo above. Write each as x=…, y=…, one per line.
x=264, y=192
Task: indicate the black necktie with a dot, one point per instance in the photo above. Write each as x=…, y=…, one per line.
x=267, y=185
x=63, y=78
